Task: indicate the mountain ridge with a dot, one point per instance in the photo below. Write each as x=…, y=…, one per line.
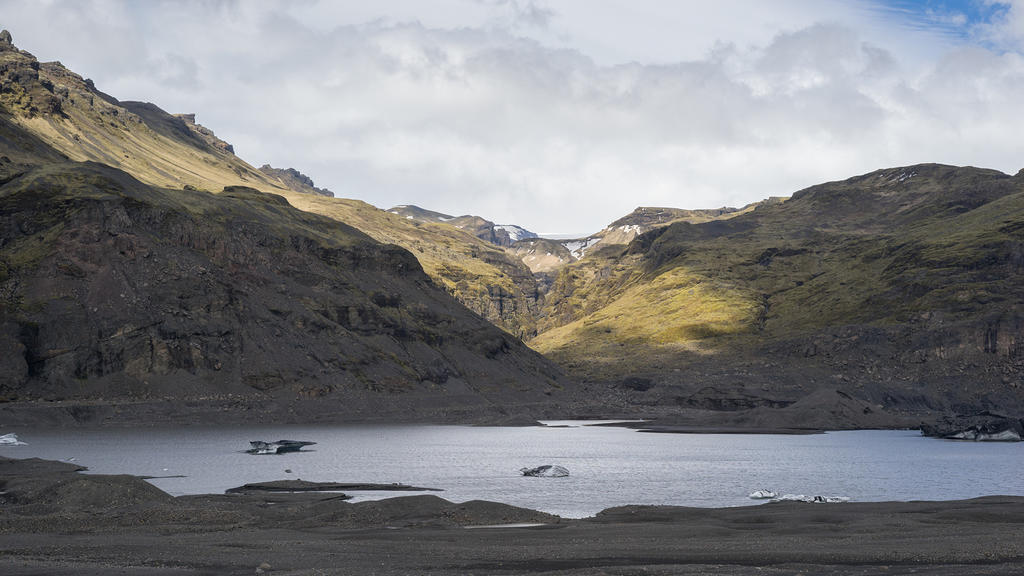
x=891, y=285
x=295, y=180
x=861, y=302
x=123, y=301
x=171, y=297
x=66, y=115
x=503, y=235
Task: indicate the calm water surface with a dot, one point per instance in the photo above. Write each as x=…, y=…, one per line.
x=609, y=466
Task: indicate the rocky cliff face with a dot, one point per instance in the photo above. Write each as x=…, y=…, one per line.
x=114, y=291
x=21, y=88
x=295, y=180
x=204, y=133
x=47, y=110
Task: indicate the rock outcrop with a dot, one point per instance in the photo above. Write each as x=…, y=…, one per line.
x=72, y=117
x=295, y=180
x=21, y=89
x=205, y=133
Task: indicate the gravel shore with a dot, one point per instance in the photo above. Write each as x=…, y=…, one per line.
x=54, y=520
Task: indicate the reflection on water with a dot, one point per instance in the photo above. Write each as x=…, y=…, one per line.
x=609, y=466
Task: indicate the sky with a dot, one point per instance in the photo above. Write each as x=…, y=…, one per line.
x=563, y=115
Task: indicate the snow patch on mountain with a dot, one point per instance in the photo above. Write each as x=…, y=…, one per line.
x=578, y=248
x=515, y=233
x=412, y=212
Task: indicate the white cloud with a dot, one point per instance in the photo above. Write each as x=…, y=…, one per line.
x=555, y=116
x=1006, y=31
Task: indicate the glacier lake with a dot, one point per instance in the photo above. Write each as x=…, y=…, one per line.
x=609, y=466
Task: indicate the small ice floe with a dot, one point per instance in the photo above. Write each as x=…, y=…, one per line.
x=812, y=499
x=280, y=447
x=545, y=471
x=763, y=494
x=516, y=525
x=980, y=436
x=11, y=440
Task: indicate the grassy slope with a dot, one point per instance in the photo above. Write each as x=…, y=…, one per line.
x=163, y=151
x=872, y=250
x=546, y=257
x=477, y=273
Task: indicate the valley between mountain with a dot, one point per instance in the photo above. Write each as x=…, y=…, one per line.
x=150, y=274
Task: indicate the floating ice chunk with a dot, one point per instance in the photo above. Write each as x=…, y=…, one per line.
x=545, y=471
x=814, y=499
x=11, y=440
x=278, y=447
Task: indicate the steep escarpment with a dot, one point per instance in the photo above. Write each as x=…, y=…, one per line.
x=69, y=114
x=295, y=180
x=477, y=273
x=115, y=293
x=49, y=113
x=902, y=287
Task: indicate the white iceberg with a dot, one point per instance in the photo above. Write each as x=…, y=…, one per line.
x=11, y=440
x=813, y=499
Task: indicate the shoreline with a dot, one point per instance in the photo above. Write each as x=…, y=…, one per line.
x=54, y=520
x=159, y=414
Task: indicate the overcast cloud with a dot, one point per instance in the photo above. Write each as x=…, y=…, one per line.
x=561, y=116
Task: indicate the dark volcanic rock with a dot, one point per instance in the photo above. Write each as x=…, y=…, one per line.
x=45, y=486
x=114, y=292
x=277, y=447
x=11, y=467
x=305, y=486
x=545, y=471
x=637, y=383
x=203, y=132
x=984, y=426
x=21, y=89
x=295, y=180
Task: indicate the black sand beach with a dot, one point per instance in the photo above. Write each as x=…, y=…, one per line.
x=54, y=520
